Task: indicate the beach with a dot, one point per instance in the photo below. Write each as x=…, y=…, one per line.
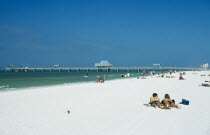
x=111, y=108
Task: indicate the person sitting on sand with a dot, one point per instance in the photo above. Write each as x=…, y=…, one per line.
x=167, y=102
x=154, y=100
x=100, y=80
x=181, y=78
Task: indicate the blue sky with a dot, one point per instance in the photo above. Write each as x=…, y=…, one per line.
x=83, y=32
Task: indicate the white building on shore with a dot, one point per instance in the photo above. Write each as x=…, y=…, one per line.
x=205, y=66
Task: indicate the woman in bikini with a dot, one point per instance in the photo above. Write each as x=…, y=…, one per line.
x=167, y=102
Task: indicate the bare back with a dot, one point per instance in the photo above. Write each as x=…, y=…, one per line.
x=154, y=99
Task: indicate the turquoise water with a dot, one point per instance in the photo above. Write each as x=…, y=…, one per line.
x=17, y=80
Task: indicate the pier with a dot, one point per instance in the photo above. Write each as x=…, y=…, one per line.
x=87, y=69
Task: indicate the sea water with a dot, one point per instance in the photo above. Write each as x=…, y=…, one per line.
x=18, y=80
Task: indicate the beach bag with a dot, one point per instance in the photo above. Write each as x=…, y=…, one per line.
x=185, y=102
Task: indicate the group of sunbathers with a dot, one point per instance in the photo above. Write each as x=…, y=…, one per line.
x=165, y=103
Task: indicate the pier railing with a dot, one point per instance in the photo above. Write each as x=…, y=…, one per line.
x=34, y=69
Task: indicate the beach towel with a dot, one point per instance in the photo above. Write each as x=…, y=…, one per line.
x=161, y=106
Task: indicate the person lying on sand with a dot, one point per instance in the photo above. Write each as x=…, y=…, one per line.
x=167, y=102
x=169, y=76
x=205, y=84
x=154, y=100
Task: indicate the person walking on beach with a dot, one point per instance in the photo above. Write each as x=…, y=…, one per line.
x=154, y=100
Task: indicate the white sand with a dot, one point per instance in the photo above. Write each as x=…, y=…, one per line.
x=112, y=108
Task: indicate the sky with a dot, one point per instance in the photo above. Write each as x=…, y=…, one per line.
x=80, y=33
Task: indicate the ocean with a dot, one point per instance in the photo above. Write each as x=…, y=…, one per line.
x=19, y=80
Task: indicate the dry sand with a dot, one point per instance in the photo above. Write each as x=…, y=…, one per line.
x=110, y=108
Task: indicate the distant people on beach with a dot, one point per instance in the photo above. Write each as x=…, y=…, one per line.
x=167, y=102
x=154, y=100
x=170, y=71
x=122, y=75
x=144, y=73
x=169, y=76
x=205, y=84
x=163, y=72
x=181, y=78
x=100, y=80
x=150, y=72
x=153, y=72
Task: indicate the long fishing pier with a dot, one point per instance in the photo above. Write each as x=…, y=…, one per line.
x=87, y=69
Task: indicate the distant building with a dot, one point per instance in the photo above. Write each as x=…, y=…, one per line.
x=156, y=65
x=103, y=64
x=205, y=66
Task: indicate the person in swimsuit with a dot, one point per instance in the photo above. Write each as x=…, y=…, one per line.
x=181, y=78
x=144, y=73
x=167, y=102
x=123, y=75
x=154, y=100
